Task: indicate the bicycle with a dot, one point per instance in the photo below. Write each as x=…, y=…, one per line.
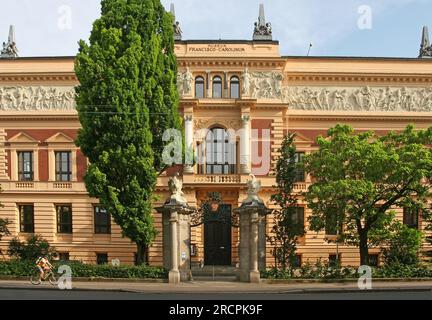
x=49, y=275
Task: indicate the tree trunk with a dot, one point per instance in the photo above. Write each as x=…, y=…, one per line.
x=364, y=249
x=141, y=254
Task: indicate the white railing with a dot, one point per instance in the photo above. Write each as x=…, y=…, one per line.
x=43, y=186
x=62, y=185
x=221, y=179
x=24, y=185
x=300, y=186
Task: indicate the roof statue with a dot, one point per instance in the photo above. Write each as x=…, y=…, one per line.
x=263, y=29
x=177, y=29
x=425, y=47
x=9, y=50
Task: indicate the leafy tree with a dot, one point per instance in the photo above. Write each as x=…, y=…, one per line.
x=31, y=249
x=361, y=177
x=287, y=229
x=4, y=231
x=403, y=245
x=126, y=99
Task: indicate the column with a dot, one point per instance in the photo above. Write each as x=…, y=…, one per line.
x=14, y=164
x=51, y=165
x=245, y=163
x=166, y=239
x=74, y=165
x=3, y=159
x=254, y=274
x=226, y=81
x=174, y=274
x=244, y=249
x=208, y=80
x=36, y=164
x=188, y=169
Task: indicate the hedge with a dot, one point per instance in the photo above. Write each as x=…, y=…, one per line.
x=396, y=271
x=80, y=270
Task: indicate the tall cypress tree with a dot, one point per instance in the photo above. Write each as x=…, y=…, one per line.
x=126, y=99
x=286, y=229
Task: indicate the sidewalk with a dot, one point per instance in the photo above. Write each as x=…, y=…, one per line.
x=224, y=287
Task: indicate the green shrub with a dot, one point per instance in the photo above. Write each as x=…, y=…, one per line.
x=403, y=245
x=324, y=271
x=318, y=270
x=398, y=270
x=80, y=270
x=31, y=249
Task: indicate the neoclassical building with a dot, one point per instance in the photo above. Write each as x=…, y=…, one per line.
x=243, y=87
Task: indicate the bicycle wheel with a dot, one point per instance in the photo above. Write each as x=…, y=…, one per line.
x=53, y=279
x=35, y=279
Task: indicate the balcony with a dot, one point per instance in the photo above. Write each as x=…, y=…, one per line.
x=218, y=179
x=39, y=186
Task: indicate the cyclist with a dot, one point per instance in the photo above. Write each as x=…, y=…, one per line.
x=43, y=265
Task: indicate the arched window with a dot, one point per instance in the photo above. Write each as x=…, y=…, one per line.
x=220, y=153
x=217, y=87
x=199, y=87
x=235, y=88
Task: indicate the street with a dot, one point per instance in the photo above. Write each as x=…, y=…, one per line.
x=21, y=290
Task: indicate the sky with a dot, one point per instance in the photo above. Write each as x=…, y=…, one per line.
x=372, y=28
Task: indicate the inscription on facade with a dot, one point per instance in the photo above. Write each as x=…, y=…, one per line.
x=221, y=48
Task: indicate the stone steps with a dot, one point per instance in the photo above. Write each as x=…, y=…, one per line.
x=216, y=272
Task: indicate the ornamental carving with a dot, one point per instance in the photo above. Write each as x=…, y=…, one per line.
x=262, y=85
x=358, y=99
x=185, y=82
x=36, y=98
x=205, y=123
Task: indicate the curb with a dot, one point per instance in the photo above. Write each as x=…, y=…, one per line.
x=329, y=281
x=293, y=291
x=94, y=279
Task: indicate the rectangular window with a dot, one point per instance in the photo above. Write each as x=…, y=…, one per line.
x=25, y=166
x=102, y=221
x=64, y=218
x=63, y=165
x=331, y=226
x=297, y=215
x=335, y=260
x=373, y=260
x=411, y=218
x=26, y=218
x=63, y=256
x=299, y=173
x=102, y=258
x=298, y=261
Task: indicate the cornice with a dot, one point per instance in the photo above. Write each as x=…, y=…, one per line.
x=39, y=77
x=34, y=116
x=359, y=77
x=204, y=104
x=237, y=62
x=408, y=116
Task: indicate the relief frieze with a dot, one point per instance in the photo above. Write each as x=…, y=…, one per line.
x=36, y=98
x=358, y=98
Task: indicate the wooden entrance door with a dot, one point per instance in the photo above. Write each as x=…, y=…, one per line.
x=217, y=237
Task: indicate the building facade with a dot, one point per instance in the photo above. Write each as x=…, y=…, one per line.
x=238, y=100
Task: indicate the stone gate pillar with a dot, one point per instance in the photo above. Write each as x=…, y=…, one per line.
x=176, y=233
x=252, y=212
